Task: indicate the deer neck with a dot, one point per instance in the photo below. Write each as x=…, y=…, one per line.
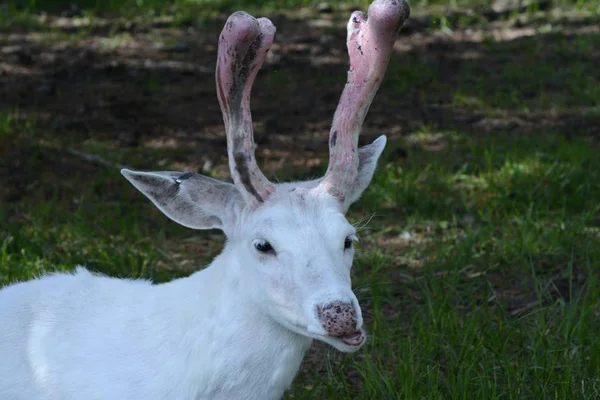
x=232, y=347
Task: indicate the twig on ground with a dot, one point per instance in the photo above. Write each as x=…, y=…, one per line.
x=95, y=159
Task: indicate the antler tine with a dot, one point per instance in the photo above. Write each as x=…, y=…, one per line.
x=243, y=45
x=370, y=42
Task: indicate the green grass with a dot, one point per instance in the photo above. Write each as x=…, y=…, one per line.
x=502, y=306
x=478, y=269
x=16, y=8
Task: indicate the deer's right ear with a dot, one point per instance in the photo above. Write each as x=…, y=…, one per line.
x=190, y=199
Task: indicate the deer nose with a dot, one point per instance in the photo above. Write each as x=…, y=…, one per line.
x=338, y=318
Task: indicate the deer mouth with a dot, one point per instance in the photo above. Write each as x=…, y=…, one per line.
x=354, y=339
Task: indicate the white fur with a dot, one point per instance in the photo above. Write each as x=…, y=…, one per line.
x=235, y=330
x=83, y=336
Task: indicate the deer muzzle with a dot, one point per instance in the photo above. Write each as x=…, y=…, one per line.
x=339, y=319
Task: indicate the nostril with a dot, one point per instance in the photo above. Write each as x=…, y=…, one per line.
x=338, y=318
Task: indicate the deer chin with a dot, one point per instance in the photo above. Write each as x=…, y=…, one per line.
x=346, y=344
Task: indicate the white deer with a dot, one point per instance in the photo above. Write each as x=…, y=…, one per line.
x=239, y=328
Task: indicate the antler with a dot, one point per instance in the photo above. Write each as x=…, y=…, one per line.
x=243, y=45
x=370, y=42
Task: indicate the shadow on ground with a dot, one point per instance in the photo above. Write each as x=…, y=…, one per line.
x=107, y=86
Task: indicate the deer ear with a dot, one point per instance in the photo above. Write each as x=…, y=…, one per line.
x=190, y=199
x=367, y=162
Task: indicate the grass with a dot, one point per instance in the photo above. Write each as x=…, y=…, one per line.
x=478, y=269
x=20, y=10
x=503, y=304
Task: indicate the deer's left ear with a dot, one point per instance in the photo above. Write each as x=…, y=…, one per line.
x=367, y=162
x=190, y=199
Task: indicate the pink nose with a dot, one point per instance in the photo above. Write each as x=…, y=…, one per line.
x=338, y=318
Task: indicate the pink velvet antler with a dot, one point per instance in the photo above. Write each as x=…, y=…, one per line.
x=243, y=45
x=370, y=42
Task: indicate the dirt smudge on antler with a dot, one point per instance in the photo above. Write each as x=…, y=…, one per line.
x=244, y=172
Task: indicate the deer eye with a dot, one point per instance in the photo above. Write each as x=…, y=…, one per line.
x=263, y=246
x=348, y=241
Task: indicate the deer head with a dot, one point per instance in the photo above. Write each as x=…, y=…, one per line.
x=292, y=244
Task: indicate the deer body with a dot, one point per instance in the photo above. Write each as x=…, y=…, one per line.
x=239, y=328
x=93, y=337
